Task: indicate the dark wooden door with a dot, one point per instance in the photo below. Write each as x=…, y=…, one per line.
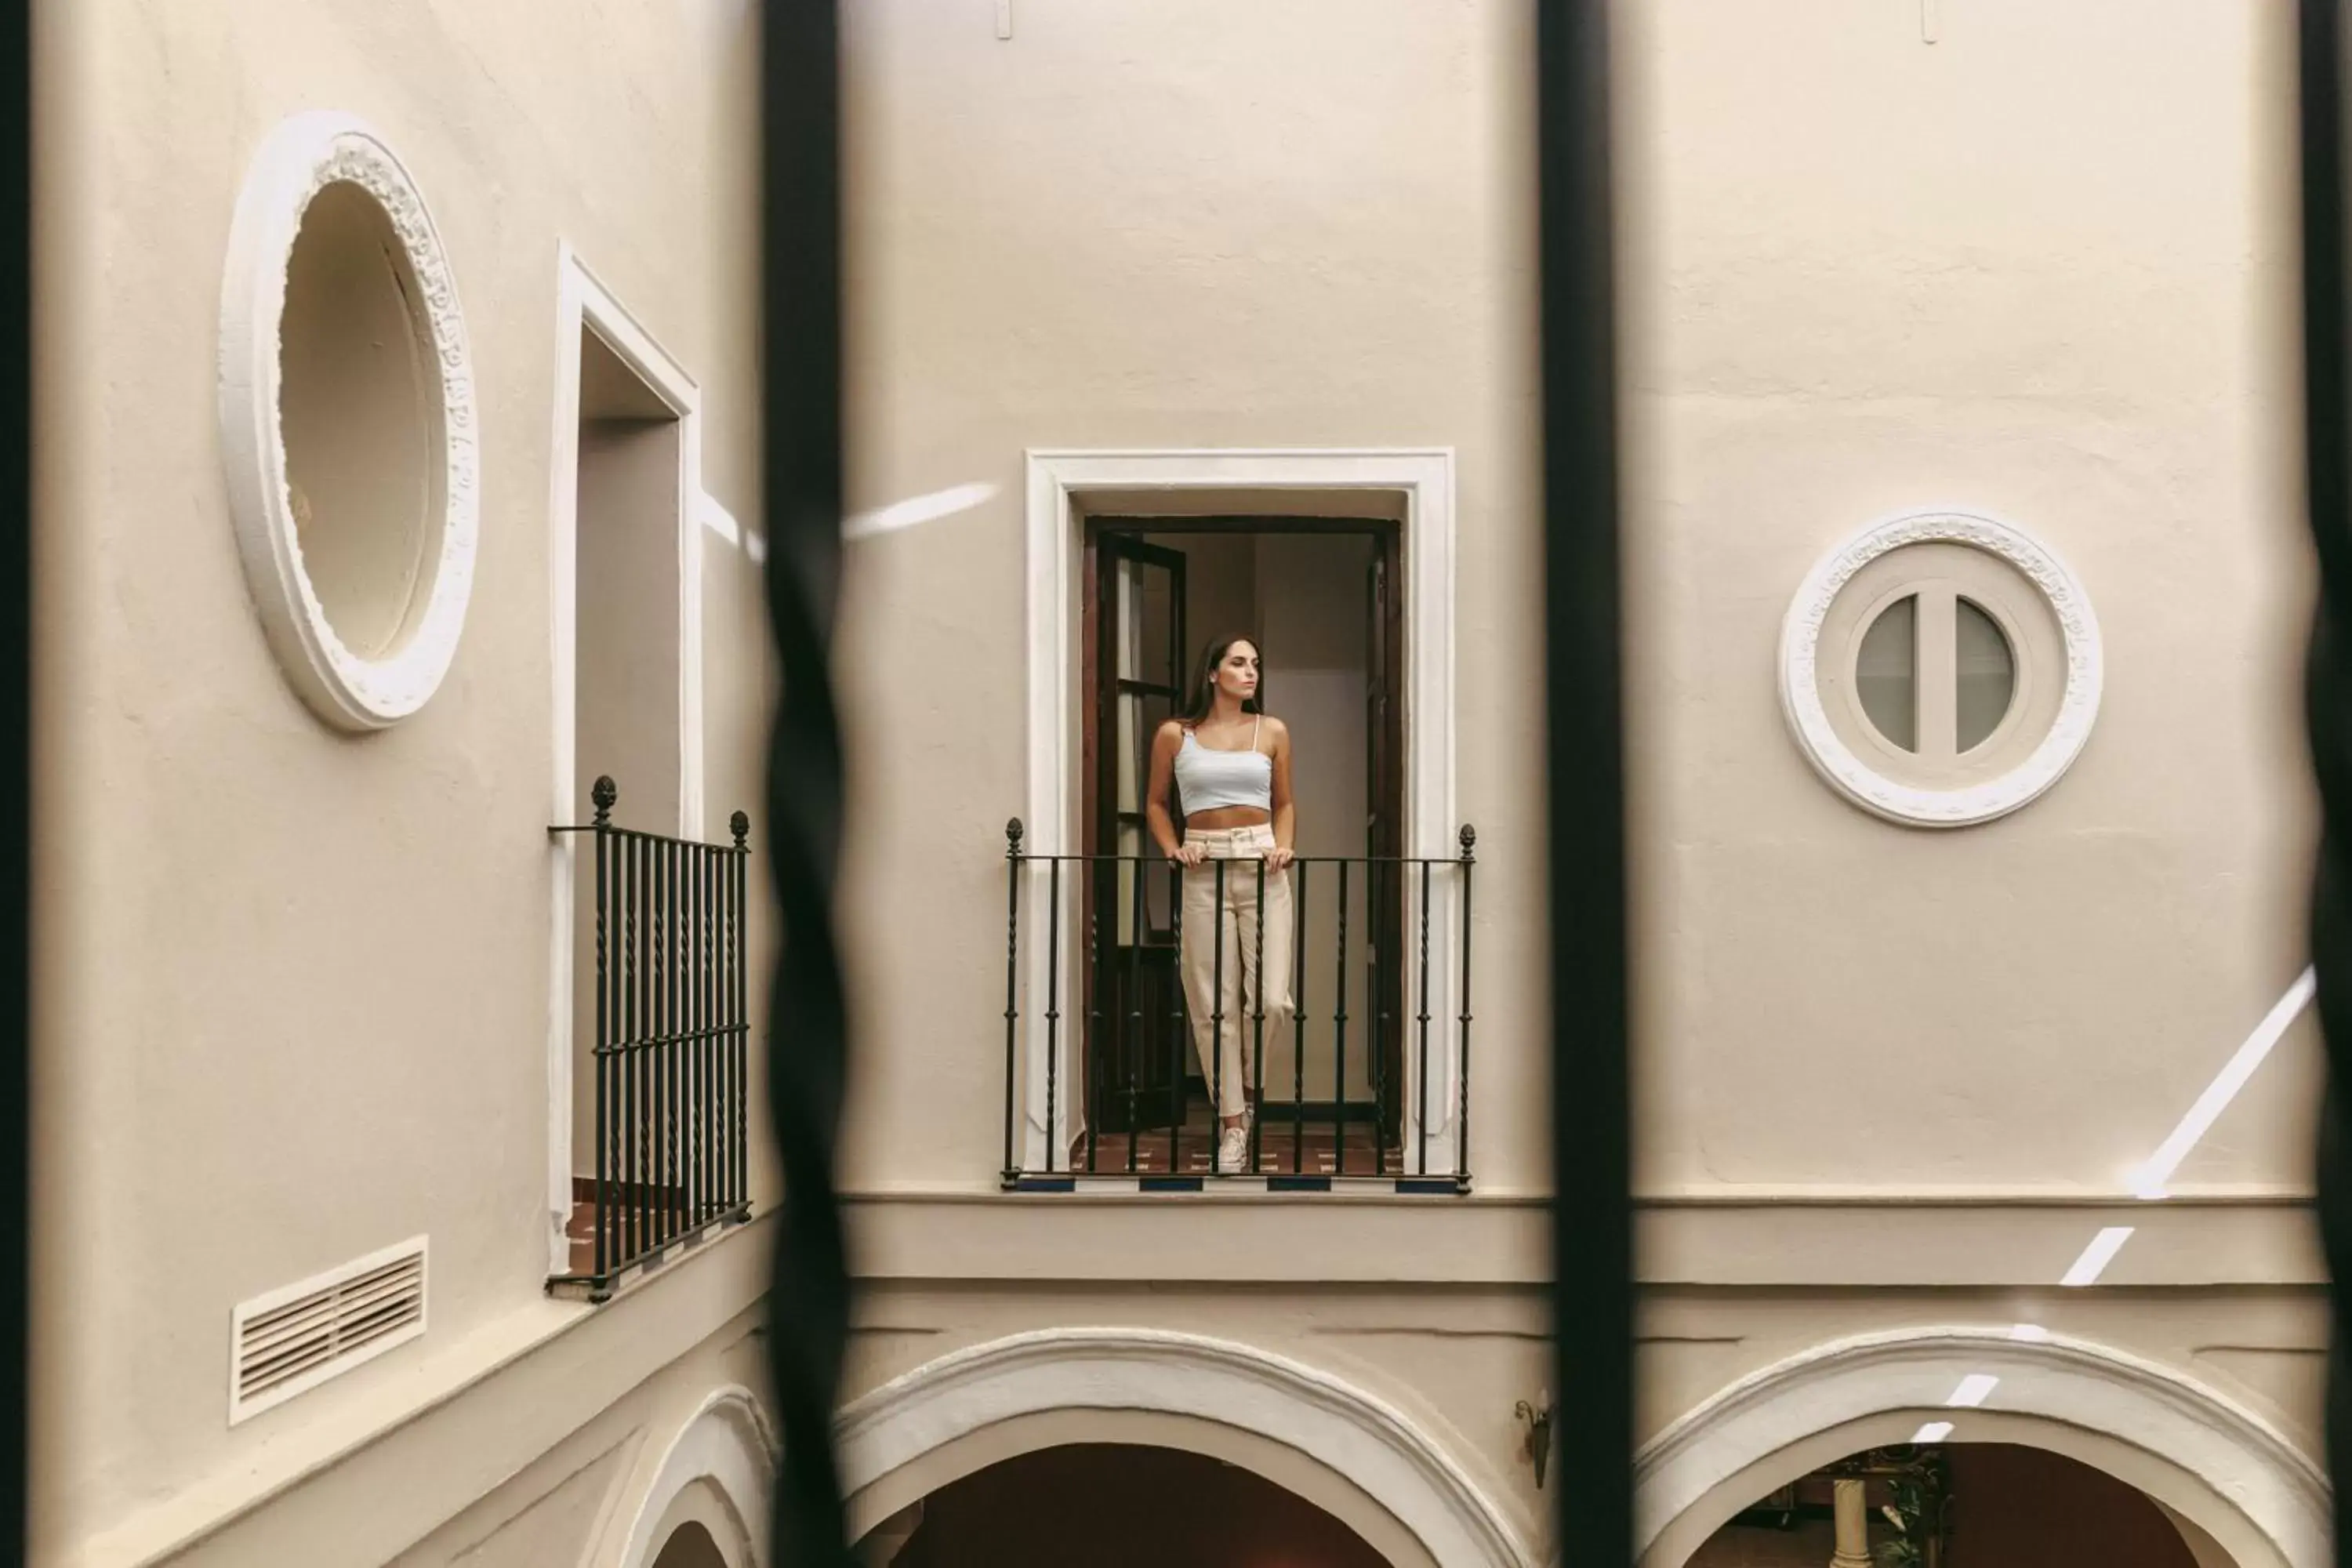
x=1135, y=672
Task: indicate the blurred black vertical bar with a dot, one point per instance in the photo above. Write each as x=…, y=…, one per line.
x=2328, y=427
x=16, y=763
x=1299, y=981
x=807, y=1043
x=1592, y=1300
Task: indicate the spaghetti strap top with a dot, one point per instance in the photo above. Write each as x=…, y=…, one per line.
x=1208, y=778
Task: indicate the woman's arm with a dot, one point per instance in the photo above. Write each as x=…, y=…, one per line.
x=1285, y=817
x=1156, y=816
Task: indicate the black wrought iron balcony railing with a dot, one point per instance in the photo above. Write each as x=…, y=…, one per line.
x=1353, y=1053
x=668, y=1060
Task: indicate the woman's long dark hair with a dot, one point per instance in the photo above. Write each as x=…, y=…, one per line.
x=1204, y=679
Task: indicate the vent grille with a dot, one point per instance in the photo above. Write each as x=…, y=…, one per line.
x=297, y=1338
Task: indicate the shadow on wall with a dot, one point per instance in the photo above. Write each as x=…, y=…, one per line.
x=2012, y=1506
x=1088, y=1504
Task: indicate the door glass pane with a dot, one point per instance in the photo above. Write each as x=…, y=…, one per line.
x=1159, y=898
x=1130, y=844
x=1987, y=674
x=1156, y=662
x=1133, y=756
x=1139, y=717
x=1887, y=673
x=1130, y=631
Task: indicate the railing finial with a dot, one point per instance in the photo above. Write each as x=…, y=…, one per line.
x=740, y=827
x=1469, y=837
x=604, y=793
x=1013, y=833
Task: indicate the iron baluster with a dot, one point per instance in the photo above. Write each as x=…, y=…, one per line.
x=739, y=975
x=1257, y=1023
x=1053, y=998
x=1217, y=1019
x=1339, y=1039
x=1380, y=879
x=603, y=795
x=1094, y=1013
x=1421, y=1048
x=1177, y=1020
x=1298, y=1021
x=1462, y=1066
x=1011, y=988
x=1139, y=914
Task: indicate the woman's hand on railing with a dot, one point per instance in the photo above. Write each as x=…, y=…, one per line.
x=1277, y=861
x=1188, y=854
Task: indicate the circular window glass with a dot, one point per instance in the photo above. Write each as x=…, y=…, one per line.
x=356, y=413
x=1887, y=673
x=347, y=422
x=1940, y=670
x=1984, y=674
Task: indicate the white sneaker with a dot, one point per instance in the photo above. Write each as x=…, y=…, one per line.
x=1233, y=1149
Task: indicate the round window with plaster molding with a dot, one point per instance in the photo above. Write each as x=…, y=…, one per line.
x=1940, y=670
x=347, y=422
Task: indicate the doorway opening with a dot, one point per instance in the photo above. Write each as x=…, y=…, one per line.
x=627, y=695
x=625, y=570
x=1322, y=598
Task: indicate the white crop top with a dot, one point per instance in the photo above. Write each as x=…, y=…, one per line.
x=1208, y=777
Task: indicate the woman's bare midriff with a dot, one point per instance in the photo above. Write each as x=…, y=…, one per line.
x=1228, y=817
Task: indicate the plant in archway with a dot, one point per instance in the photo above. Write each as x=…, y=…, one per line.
x=1907, y=1509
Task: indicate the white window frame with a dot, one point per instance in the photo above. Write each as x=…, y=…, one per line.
x=1060, y=483
x=583, y=302
x=1847, y=770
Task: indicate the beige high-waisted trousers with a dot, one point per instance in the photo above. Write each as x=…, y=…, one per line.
x=1227, y=1024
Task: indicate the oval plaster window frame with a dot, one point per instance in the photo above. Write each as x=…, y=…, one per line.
x=1865, y=786
x=301, y=158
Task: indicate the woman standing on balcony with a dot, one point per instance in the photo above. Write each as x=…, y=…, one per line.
x=1230, y=766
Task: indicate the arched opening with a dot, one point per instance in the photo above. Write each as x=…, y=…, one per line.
x=1115, y=1502
x=2243, y=1492
x=1959, y=1505
x=690, y=1546
x=705, y=1505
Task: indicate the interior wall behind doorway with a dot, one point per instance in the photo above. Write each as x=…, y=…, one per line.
x=1306, y=597
x=627, y=698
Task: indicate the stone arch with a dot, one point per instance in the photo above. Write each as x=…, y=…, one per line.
x=717, y=1472
x=2198, y=1454
x=1347, y=1451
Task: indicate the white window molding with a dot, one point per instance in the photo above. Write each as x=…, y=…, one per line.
x=347, y=688
x=1848, y=769
x=1060, y=485
x=582, y=302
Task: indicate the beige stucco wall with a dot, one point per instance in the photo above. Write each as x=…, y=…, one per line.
x=1443, y=1314
x=294, y=984
x=2018, y=270
x=2041, y=266
x=2013, y=270
x=1130, y=227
